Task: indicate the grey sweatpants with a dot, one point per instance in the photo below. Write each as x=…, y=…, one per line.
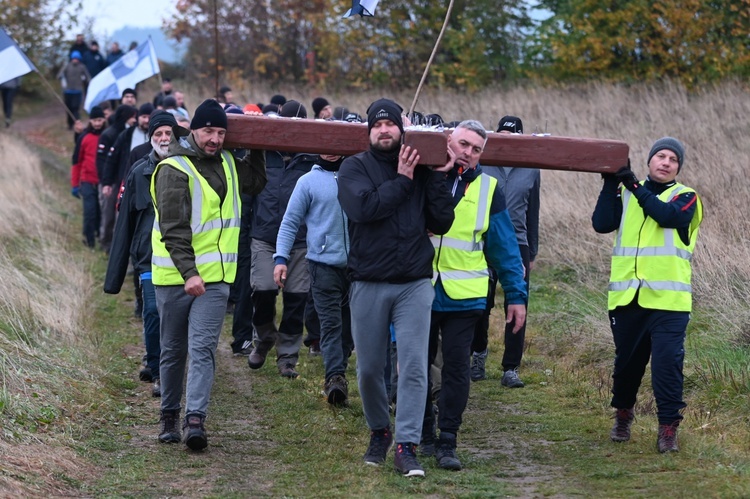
x=190, y=327
x=374, y=307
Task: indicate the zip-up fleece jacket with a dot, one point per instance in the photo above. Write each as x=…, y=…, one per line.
x=390, y=215
x=315, y=203
x=84, y=168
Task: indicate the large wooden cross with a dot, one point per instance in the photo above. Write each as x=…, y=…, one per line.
x=342, y=138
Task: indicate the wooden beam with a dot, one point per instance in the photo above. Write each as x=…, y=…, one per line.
x=337, y=137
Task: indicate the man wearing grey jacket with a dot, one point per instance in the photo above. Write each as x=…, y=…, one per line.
x=521, y=188
x=314, y=203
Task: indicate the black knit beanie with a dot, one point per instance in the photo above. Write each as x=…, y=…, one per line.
x=96, y=112
x=384, y=109
x=209, y=113
x=318, y=104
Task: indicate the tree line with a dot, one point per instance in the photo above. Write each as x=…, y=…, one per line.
x=487, y=41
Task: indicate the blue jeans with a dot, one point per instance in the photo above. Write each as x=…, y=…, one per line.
x=91, y=215
x=330, y=289
x=150, y=326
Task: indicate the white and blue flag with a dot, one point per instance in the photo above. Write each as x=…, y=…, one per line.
x=363, y=8
x=13, y=62
x=130, y=69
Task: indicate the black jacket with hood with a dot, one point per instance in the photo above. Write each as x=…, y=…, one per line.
x=390, y=216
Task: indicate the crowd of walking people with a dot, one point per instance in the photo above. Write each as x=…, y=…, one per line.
x=372, y=253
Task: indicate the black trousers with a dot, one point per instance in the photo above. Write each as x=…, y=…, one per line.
x=640, y=333
x=73, y=103
x=456, y=330
x=513, y=342
x=241, y=292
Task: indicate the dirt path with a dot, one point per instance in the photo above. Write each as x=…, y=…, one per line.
x=236, y=461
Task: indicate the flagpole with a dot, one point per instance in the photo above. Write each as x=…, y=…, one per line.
x=57, y=95
x=158, y=66
x=432, y=56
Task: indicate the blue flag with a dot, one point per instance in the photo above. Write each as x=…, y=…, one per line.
x=363, y=8
x=130, y=69
x=13, y=62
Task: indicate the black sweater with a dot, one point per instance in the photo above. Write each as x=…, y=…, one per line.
x=677, y=213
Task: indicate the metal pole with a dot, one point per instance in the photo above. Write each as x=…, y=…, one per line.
x=216, y=48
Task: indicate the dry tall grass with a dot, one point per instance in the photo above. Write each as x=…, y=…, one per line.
x=42, y=349
x=712, y=123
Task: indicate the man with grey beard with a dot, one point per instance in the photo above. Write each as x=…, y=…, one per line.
x=132, y=238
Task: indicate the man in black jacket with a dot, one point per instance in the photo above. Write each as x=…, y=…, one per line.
x=132, y=238
x=392, y=204
x=124, y=116
x=269, y=206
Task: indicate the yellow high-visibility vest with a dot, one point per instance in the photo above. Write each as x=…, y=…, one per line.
x=459, y=254
x=215, y=226
x=652, y=260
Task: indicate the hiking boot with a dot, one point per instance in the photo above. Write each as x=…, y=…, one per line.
x=146, y=375
x=169, y=433
x=156, y=389
x=287, y=370
x=405, y=460
x=446, y=452
x=314, y=349
x=380, y=444
x=336, y=389
x=511, y=379
x=245, y=349
x=621, y=430
x=257, y=358
x=194, y=434
x=667, y=439
x=478, y=359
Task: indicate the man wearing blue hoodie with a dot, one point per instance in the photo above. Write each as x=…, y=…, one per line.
x=482, y=236
x=314, y=203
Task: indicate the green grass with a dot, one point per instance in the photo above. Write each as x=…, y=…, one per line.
x=271, y=436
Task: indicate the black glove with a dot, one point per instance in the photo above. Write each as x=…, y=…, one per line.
x=628, y=178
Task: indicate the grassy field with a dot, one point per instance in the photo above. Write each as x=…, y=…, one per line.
x=76, y=422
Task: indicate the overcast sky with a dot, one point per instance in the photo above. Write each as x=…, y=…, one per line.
x=109, y=15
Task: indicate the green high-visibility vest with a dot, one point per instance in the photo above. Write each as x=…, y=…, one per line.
x=652, y=260
x=215, y=226
x=459, y=254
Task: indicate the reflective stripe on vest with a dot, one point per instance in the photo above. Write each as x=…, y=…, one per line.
x=651, y=260
x=214, y=224
x=459, y=256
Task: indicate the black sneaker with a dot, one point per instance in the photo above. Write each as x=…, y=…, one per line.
x=194, y=434
x=667, y=439
x=380, y=444
x=337, y=389
x=478, y=361
x=146, y=375
x=245, y=350
x=405, y=460
x=446, y=452
x=621, y=429
x=156, y=389
x=170, y=433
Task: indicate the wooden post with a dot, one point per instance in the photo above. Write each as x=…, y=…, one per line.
x=338, y=137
